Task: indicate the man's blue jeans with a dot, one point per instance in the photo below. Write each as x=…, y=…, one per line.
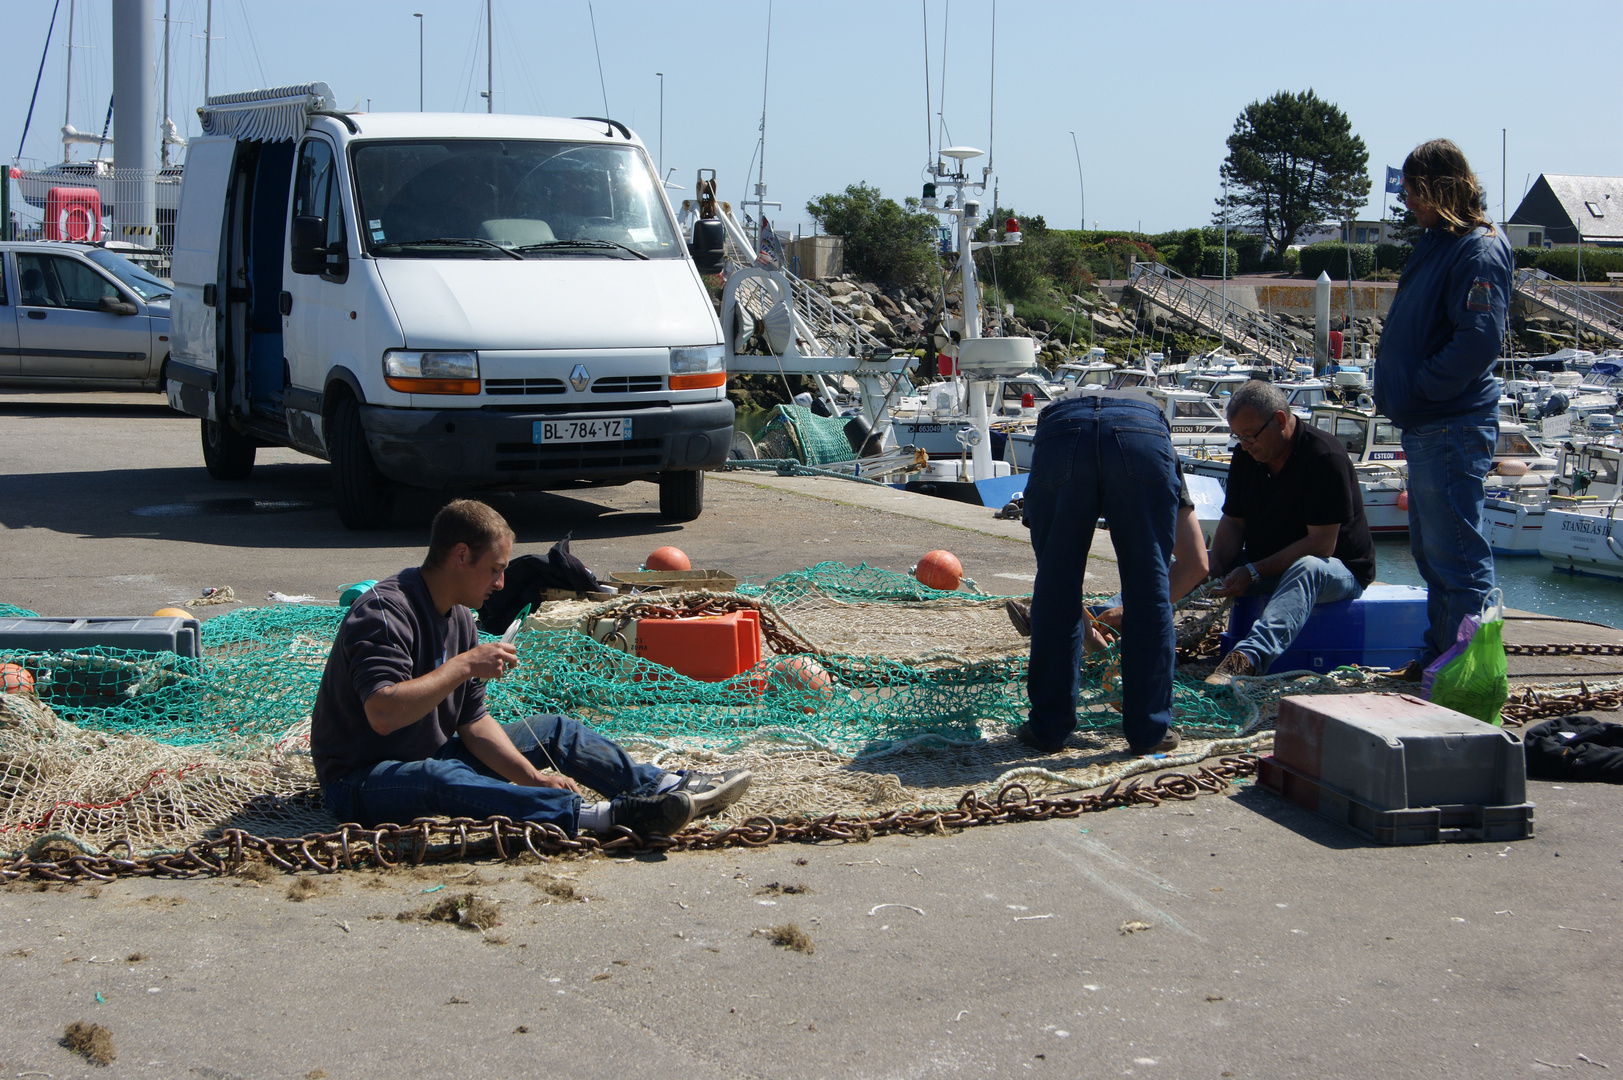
x=1447, y=462
x=1096, y=457
x=1306, y=582
x=454, y=783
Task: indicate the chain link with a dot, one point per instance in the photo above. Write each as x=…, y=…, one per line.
x=1569, y=649
x=351, y=847
x=1526, y=705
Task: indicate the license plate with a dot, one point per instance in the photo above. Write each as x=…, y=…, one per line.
x=581, y=431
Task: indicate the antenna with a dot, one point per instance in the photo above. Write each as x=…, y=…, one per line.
x=991, y=108
x=929, y=140
x=599, y=52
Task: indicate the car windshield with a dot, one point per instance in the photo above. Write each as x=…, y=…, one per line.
x=143, y=284
x=463, y=198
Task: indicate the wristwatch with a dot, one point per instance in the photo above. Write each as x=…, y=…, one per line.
x=1251, y=568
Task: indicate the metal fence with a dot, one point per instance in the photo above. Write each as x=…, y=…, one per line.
x=132, y=209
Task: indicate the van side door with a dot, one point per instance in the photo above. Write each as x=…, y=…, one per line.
x=318, y=329
x=195, y=271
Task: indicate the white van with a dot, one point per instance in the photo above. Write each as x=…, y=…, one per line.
x=446, y=301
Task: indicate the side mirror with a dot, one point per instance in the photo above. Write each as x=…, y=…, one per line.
x=307, y=248
x=114, y=305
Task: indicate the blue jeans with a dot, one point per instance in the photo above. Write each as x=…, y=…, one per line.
x=1096, y=457
x=454, y=783
x=1306, y=582
x=1447, y=461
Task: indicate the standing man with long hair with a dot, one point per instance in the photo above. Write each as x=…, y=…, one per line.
x=1434, y=379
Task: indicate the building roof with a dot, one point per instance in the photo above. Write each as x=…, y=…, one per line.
x=1591, y=205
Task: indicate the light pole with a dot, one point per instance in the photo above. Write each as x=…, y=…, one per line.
x=418, y=15
x=1081, y=188
x=661, y=75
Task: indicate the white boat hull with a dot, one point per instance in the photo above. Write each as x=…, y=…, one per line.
x=1584, y=541
x=1513, y=528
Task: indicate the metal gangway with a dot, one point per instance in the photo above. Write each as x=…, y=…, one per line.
x=1588, y=311
x=1204, y=306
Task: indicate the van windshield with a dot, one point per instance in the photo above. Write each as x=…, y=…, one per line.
x=467, y=198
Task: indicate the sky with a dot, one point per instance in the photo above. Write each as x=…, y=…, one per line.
x=1150, y=90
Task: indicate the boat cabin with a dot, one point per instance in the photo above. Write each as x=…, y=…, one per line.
x=1366, y=436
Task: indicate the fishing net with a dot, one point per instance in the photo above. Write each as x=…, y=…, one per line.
x=796, y=432
x=8, y=611
x=874, y=692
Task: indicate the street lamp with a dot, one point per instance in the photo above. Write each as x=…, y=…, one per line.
x=661, y=75
x=418, y=15
x=1080, y=186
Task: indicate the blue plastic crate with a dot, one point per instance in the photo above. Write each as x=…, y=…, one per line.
x=1386, y=627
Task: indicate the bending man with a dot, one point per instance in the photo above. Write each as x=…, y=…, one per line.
x=1292, y=527
x=399, y=729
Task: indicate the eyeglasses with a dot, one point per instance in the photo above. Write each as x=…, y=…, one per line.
x=1247, y=440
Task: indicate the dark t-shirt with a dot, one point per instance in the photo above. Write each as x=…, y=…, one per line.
x=1315, y=487
x=391, y=634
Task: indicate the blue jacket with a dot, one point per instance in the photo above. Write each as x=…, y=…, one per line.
x=1443, y=334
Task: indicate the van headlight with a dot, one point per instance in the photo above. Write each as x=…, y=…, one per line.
x=420, y=372
x=698, y=367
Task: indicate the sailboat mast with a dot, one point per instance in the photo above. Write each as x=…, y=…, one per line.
x=208, y=45
x=490, y=61
x=67, y=95
x=163, y=140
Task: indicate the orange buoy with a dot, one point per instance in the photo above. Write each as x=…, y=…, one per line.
x=804, y=675
x=1403, y=500
x=939, y=570
x=667, y=558
x=179, y=613
x=15, y=679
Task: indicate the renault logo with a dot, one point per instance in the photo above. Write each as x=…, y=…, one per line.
x=579, y=379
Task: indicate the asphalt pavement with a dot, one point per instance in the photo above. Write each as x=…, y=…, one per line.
x=1234, y=935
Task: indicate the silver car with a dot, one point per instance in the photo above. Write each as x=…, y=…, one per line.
x=78, y=316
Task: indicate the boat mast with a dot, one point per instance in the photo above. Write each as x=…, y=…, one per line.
x=208, y=45
x=490, y=61
x=163, y=141
x=67, y=95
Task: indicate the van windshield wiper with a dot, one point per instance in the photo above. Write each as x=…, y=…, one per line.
x=451, y=241
x=588, y=245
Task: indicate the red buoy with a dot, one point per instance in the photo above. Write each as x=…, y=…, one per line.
x=667, y=558
x=939, y=570
x=15, y=679
x=1403, y=500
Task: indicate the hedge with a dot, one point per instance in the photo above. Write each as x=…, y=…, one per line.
x=1331, y=257
x=1563, y=263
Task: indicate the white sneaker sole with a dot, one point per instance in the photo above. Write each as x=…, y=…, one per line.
x=721, y=796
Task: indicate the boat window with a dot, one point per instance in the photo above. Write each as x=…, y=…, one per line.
x=1200, y=409
x=1388, y=435
x=1604, y=469
x=1514, y=442
x=1324, y=421
x=1350, y=433
x=1014, y=391
x=1097, y=378
x=544, y=199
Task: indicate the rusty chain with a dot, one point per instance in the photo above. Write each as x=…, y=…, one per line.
x=1528, y=704
x=1569, y=649
x=351, y=847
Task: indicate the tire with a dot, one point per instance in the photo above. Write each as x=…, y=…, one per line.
x=364, y=496
x=681, y=495
x=227, y=453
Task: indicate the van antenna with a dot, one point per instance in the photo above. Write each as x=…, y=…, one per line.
x=600, y=81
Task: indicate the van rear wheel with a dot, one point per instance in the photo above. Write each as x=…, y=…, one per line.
x=227, y=453
x=681, y=495
x=364, y=497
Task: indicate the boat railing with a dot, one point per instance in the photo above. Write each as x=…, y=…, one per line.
x=1206, y=307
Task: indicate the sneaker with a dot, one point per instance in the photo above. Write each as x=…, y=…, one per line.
x=713, y=792
x=1020, y=615
x=1024, y=734
x=1165, y=746
x=1235, y=663
x=650, y=814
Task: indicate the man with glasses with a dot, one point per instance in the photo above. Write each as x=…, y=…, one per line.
x=1292, y=527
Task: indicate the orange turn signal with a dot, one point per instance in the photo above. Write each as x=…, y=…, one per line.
x=432, y=386
x=699, y=382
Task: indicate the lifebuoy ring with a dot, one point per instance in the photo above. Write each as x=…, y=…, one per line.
x=1365, y=401
x=76, y=222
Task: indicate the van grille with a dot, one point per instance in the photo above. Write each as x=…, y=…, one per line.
x=569, y=457
x=524, y=386
x=629, y=384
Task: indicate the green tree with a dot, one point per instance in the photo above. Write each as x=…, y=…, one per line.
x=885, y=242
x=1293, y=162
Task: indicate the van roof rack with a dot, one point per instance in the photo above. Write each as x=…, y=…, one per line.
x=278, y=114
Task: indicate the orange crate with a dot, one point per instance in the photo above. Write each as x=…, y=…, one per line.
x=710, y=649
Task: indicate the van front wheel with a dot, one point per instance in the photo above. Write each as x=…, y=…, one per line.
x=681, y=495
x=365, y=499
x=227, y=453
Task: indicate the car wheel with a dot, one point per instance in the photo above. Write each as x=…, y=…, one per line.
x=227, y=453
x=364, y=496
x=681, y=495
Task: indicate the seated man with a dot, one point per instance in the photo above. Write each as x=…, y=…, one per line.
x=1293, y=526
x=399, y=728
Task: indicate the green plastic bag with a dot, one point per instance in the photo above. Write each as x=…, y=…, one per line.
x=1472, y=676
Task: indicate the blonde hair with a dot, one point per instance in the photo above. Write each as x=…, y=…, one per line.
x=464, y=521
x=1437, y=173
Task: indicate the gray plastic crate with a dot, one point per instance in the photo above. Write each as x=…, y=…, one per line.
x=150, y=633
x=1399, y=769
